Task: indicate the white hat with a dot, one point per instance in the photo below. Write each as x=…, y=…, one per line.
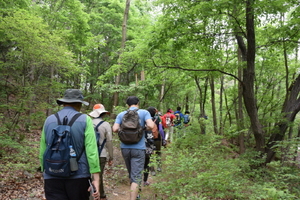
x=98, y=109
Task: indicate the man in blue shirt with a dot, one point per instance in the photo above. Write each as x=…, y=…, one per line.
x=134, y=154
x=179, y=117
x=178, y=121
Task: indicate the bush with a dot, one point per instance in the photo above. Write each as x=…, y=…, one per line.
x=201, y=167
x=17, y=156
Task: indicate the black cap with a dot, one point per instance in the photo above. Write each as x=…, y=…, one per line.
x=132, y=100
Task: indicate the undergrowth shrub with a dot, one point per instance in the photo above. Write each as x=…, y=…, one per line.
x=17, y=156
x=202, y=167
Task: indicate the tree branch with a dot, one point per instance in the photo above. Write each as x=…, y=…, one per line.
x=199, y=70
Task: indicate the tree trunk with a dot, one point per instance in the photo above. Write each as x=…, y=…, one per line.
x=187, y=102
x=249, y=77
x=162, y=92
x=213, y=104
x=240, y=114
x=221, y=127
x=124, y=34
x=290, y=109
x=202, y=99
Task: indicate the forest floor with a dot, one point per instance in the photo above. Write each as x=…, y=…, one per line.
x=24, y=185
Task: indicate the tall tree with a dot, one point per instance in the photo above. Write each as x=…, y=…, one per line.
x=124, y=34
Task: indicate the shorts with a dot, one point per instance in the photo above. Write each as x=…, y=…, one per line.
x=134, y=160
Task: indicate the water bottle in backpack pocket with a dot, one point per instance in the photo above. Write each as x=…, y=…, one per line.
x=73, y=159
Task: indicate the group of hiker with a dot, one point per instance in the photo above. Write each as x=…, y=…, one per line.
x=75, y=147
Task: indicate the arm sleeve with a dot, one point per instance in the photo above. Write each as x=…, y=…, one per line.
x=148, y=116
x=43, y=147
x=109, y=144
x=161, y=131
x=118, y=119
x=91, y=147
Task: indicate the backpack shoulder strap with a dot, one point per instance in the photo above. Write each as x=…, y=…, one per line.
x=57, y=117
x=70, y=124
x=96, y=128
x=100, y=147
x=74, y=119
x=66, y=119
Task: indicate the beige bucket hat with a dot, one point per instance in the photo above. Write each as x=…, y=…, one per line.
x=98, y=109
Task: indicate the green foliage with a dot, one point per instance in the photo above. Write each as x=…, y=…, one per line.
x=17, y=156
x=200, y=167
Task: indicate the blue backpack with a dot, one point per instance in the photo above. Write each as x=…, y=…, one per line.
x=100, y=146
x=57, y=155
x=186, y=119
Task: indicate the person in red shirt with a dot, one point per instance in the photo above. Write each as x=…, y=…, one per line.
x=168, y=124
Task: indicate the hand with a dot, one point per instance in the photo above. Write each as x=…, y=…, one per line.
x=94, y=191
x=96, y=194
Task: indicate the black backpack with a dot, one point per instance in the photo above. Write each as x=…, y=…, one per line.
x=130, y=132
x=57, y=155
x=98, y=135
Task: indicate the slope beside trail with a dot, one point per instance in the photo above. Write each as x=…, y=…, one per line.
x=23, y=185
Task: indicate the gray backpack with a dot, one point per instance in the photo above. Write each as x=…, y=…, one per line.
x=130, y=132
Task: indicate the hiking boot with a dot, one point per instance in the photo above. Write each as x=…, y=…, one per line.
x=138, y=196
x=146, y=183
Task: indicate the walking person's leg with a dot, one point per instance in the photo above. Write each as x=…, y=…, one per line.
x=167, y=131
x=146, y=169
x=101, y=186
x=77, y=189
x=137, y=167
x=172, y=134
x=126, y=153
x=158, y=144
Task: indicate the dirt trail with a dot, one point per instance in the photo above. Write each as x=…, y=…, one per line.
x=117, y=184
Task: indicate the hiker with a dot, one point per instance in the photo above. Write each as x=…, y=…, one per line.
x=178, y=122
x=82, y=135
x=150, y=147
x=186, y=121
x=134, y=154
x=161, y=129
x=159, y=141
x=105, y=147
x=186, y=118
x=167, y=121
